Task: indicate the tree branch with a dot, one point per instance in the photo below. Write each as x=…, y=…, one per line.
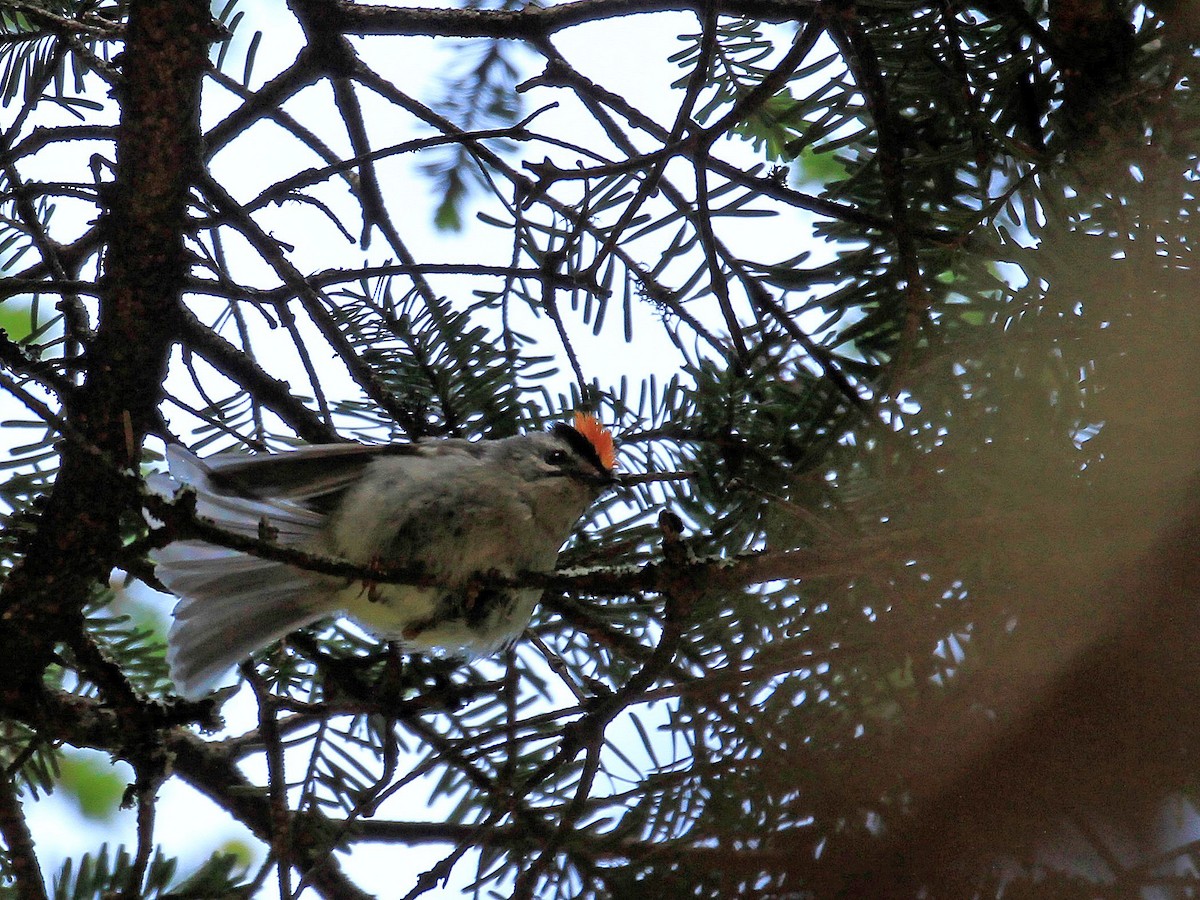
x=534, y=22
x=18, y=844
x=157, y=156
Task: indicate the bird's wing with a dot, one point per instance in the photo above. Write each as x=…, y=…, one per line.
x=312, y=476
x=299, y=476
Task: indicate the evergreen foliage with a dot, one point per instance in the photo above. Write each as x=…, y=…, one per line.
x=893, y=314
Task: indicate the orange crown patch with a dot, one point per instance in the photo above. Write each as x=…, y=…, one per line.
x=598, y=436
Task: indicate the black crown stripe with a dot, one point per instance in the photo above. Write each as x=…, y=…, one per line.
x=581, y=445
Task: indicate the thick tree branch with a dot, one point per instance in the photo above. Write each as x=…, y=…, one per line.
x=158, y=149
x=534, y=22
x=714, y=573
x=18, y=843
x=210, y=767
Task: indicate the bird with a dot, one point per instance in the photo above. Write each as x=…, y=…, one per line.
x=451, y=509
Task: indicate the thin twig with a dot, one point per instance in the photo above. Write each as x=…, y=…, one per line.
x=147, y=797
x=18, y=842
x=239, y=367
x=281, y=832
x=313, y=303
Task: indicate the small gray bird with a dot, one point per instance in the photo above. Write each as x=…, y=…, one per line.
x=451, y=509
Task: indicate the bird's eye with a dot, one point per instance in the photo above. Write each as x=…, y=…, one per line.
x=557, y=457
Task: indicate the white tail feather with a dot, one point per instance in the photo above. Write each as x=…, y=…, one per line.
x=231, y=604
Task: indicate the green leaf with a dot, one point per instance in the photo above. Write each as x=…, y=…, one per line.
x=15, y=320
x=774, y=127
x=819, y=166
x=447, y=217
x=98, y=876
x=94, y=784
x=220, y=876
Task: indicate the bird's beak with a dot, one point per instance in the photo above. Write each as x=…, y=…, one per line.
x=605, y=480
